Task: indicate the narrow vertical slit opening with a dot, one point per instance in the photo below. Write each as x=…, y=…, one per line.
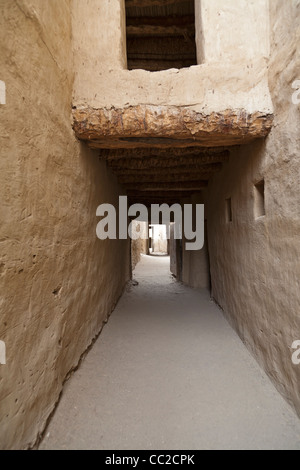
x=259, y=199
x=228, y=208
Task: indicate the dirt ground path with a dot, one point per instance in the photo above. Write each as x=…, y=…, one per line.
x=168, y=372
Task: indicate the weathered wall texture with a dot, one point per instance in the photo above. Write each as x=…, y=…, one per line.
x=159, y=239
x=141, y=245
x=58, y=281
x=213, y=86
x=173, y=251
x=248, y=19
x=195, y=263
x=255, y=262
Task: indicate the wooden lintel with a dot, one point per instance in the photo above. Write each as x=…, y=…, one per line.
x=168, y=126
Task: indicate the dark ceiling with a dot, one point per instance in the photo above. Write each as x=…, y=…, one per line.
x=160, y=37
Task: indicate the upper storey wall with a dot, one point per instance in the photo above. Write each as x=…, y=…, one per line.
x=232, y=40
x=232, y=31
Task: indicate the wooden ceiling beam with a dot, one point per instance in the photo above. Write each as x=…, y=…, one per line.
x=154, y=143
x=160, y=31
x=140, y=196
x=205, y=155
x=185, y=20
x=159, y=48
x=175, y=169
x=167, y=186
x=163, y=178
x=151, y=3
x=135, y=143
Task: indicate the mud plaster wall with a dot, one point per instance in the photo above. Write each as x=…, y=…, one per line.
x=159, y=239
x=172, y=249
x=195, y=263
x=247, y=18
x=141, y=245
x=58, y=281
x=255, y=262
x=239, y=82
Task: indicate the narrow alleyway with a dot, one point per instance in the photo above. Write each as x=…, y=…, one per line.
x=168, y=372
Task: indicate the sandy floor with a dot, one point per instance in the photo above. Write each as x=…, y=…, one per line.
x=168, y=372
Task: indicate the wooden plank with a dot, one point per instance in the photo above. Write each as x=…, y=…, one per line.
x=152, y=31
x=154, y=143
x=205, y=155
x=161, y=48
x=186, y=170
x=152, y=197
x=153, y=194
x=138, y=166
x=181, y=21
x=167, y=186
x=163, y=178
x=151, y=3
